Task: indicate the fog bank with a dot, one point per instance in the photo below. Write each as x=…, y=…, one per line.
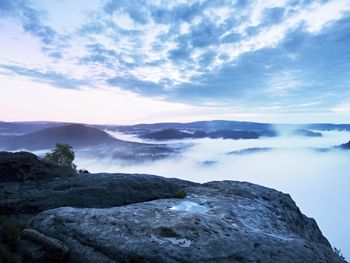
x=317, y=181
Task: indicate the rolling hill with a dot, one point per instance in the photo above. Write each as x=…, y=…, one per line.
x=21, y=128
x=345, y=146
x=74, y=134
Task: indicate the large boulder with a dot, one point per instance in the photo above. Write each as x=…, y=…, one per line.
x=30, y=185
x=37, y=248
x=24, y=199
x=22, y=166
x=217, y=222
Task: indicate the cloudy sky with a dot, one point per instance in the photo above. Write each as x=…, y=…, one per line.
x=125, y=61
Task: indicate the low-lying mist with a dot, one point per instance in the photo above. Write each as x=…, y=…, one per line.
x=318, y=181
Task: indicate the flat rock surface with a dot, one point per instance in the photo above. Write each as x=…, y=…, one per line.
x=30, y=185
x=84, y=190
x=217, y=222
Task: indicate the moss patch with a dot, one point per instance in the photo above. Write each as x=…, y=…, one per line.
x=180, y=194
x=167, y=232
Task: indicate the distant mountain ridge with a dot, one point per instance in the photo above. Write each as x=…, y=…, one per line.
x=76, y=135
x=327, y=126
x=173, y=134
x=21, y=128
x=33, y=131
x=206, y=125
x=345, y=146
x=222, y=129
x=28, y=127
x=88, y=142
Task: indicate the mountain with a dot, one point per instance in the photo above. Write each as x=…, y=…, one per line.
x=174, y=134
x=223, y=125
x=199, y=125
x=233, y=134
x=20, y=128
x=74, y=134
x=167, y=134
x=305, y=133
x=221, y=129
x=328, y=127
x=250, y=150
x=156, y=131
x=89, y=142
x=345, y=146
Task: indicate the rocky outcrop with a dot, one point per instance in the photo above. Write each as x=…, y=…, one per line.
x=135, y=218
x=27, y=198
x=217, y=222
x=23, y=166
x=30, y=185
x=37, y=247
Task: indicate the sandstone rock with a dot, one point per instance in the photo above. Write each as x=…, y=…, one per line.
x=24, y=199
x=47, y=249
x=22, y=166
x=217, y=222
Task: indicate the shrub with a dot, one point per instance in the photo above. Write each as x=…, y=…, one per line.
x=180, y=194
x=338, y=253
x=9, y=241
x=167, y=232
x=62, y=155
x=134, y=258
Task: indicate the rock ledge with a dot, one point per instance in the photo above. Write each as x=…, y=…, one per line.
x=217, y=222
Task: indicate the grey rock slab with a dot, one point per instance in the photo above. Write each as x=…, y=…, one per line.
x=236, y=222
x=84, y=190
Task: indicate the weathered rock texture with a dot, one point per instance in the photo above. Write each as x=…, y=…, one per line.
x=37, y=247
x=22, y=200
x=217, y=222
x=22, y=166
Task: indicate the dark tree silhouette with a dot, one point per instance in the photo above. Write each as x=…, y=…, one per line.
x=62, y=155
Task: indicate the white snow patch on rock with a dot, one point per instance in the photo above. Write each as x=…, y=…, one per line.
x=189, y=207
x=180, y=242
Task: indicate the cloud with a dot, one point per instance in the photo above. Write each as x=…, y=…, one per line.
x=31, y=22
x=342, y=108
x=54, y=78
x=135, y=9
x=179, y=13
x=252, y=53
x=303, y=67
x=99, y=54
x=138, y=86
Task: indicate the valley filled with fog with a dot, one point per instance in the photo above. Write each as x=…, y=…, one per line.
x=317, y=178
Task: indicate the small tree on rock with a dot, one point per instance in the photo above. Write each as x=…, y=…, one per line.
x=62, y=155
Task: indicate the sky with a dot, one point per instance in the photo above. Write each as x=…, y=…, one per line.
x=125, y=61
